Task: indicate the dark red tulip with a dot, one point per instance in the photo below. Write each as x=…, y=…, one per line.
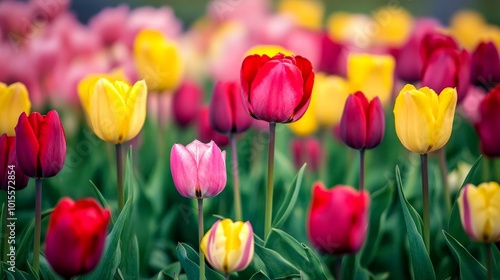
x=276, y=89
x=487, y=127
x=205, y=131
x=362, y=124
x=11, y=177
x=332, y=58
x=40, y=144
x=485, y=68
x=227, y=114
x=76, y=236
x=433, y=41
x=308, y=151
x=186, y=103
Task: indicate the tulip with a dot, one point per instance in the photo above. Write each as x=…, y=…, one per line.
x=371, y=74
x=486, y=65
x=394, y=25
x=229, y=246
x=480, y=210
x=14, y=100
x=76, y=236
x=305, y=13
x=205, y=131
x=433, y=41
x=328, y=98
x=487, y=125
x=11, y=176
x=332, y=59
x=158, y=61
x=198, y=169
x=347, y=209
x=116, y=110
x=363, y=123
x=186, y=103
x=276, y=89
x=227, y=114
x=424, y=119
x=308, y=151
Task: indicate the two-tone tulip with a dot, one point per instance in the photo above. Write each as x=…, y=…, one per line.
x=40, y=144
x=11, y=176
x=14, y=100
x=198, y=169
x=424, y=119
x=480, y=211
x=487, y=124
x=76, y=236
x=363, y=123
x=343, y=206
x=229, y=246
x=276, y=89
x=485, y=69
x=186, y=103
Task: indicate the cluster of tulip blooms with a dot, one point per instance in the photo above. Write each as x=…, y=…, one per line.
x=312, y=81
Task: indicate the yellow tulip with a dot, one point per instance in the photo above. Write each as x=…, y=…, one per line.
x=394, y=25
x=14, y=100
x=424, y=119
x=371, y=74
x=158, y=61
x=480, y=211
x=116, y=111
x=329, y=96
x=269, y=50
x=306, y=13
x=352, y=28
x=468, y=27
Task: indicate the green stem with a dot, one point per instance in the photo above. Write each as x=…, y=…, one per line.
x=38, y=224
x=270, y=174
x=425, y=195
x=236, y=179
x=361, y=169
x=227, y=276
x=338, y=267
x=489, y=260
x=119, y=175
x=323, y=172
x=444, y=176
x=200, y=236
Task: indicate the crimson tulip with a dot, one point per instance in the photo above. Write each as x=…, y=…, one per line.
x=344, y=207
x=276, y=89
x=40, y=144
x=76, y=236
x=308, y=151
x=485, y=69
x=11, y=176
x=487, y=125
x=206, y=133
x=186, y=103
x=332, y=57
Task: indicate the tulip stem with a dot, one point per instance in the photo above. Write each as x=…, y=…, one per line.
x=236, y=178
x=270, y=173
x=425, y=195
x=489, y=260
x=444, y=176
x=119, y=175
x=361, y=170
x=200, y=236
x=227, y=276
x=38, y=224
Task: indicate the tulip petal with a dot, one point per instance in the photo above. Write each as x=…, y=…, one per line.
x=353, y=123
x=221, y=110
x=52, y=145
x=136, y=108
x=14, y=100
x=246, y=248
x=305, y=68
x=375, y=123
x=27, y=147
x=249, y=68
x=444, y=119
x=440, y=72
x=184, y=171
x=212, y=171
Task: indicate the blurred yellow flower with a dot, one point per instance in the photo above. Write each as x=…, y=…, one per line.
x=308, y=124
x=329, y=96
x=392, y=26
x=306, y=13
x=352, y=28
x=158, y=61
x=14, y=99
x=269, y=50
x=470, y=28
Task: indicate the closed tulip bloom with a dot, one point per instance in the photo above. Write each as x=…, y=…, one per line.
x=227, y=114
x=76, y=236
x=14, y=100
x=186, y=103
x=276, y=89
x=433, y=41
x=343, y=206
x=332, y=59
x=480, y=211
x=308, y=151
x=329, y=96
x=158, y=61
x=198, y=169
x=11, y=176
x=116, y=110
x=363, y=123
x=40, y=144
x=485, y=68
x=487, y=125
x=229, y=246
x=424, y=119
x=371, y=74
x=206, y=133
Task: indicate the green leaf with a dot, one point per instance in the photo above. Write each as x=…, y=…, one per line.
x=173, y=270
x=422, y=266
x=189, y=260
x=16, y=274
x=260, y=275
x=26, y=241
x=352, y=269
x=290, y=199
x=470, y=268
x=319, y=272
x=45, y=270
x=496, y=261
x=276, y=266
x=101, y=198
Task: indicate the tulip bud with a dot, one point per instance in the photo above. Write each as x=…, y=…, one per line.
x=40, y=144
x=278, y=88
x=227, y=114
x=480, y=210
x=362, y=125
x=424, y=119
x=307, y=151
x=486, y=65
x=487, y=125
x=205, y=131
x=76, y=236
x=14, y=100
x=11, y=176
x=229, y=246
x=347, y=209
x=186, y=103
x=198, y=169
x=332, y=58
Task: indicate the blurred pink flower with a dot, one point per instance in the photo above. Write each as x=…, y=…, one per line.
x=110, y=23
x=15, y=20
x=45, y=11
x=248, y=12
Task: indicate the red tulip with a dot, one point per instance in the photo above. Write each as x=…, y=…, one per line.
x=344, y=207
x=276, y=89
x=76, y=236
x=433, y=41
x=227, y=114
x=186, y=103
x=487, y=125
x=11, y=176
x=40, y=144
x=307, y=151
x=332, y=57
x=485, y=68
x=362, y=124
x=205, y=131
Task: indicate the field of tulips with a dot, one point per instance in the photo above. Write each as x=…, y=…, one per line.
x=260, y=142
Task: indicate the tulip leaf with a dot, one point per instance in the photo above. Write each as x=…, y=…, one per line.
x=352, y=269
x=45, y=270
x=16, y=274
x=26, y=242
x=101, y=198
x=422, y=266
x=290, y=199
x=172, y=270
x=277, y=267
x=495, y=253
x=470, y=268
x=189, y=260
x=260, y=275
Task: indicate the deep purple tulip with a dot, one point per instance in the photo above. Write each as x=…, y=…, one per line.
x=485, y=68
x=11, y=176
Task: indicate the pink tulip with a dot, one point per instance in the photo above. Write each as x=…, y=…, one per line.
x=308, y=151
x=110, y=23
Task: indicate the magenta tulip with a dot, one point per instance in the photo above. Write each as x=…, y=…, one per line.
x=198, y=169
x=333, y=59
x=11, y=176
x=206, y=133
x=487, y=126
x=486, y=65
x=276, y=89
x=186, y=103
x=308, y=151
